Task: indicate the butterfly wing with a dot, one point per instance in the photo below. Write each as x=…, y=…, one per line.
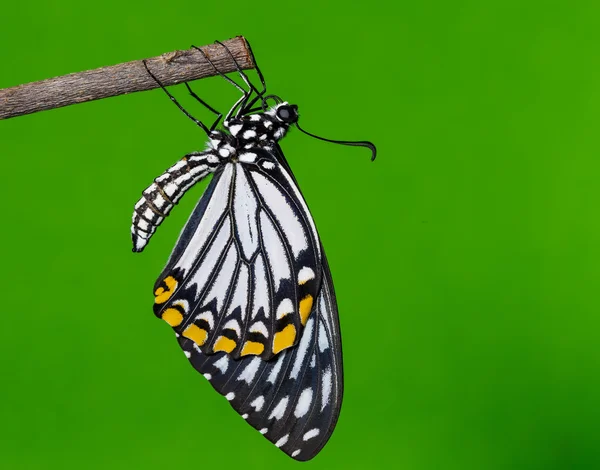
x=249, y=245
x=294, y=399
x=246, y=270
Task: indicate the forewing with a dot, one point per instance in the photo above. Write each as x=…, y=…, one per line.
x=294, y=399
x=246, y=269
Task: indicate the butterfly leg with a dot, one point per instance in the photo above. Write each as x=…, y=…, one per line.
x=221, y=74
x=259, y=94
x=198, y=122
x=243, y=105
x=207, y=106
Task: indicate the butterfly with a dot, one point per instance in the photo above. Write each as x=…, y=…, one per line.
x=247, y=288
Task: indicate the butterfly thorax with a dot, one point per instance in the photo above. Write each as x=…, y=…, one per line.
x=261, y=129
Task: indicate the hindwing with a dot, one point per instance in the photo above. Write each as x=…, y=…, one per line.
x=294, y=399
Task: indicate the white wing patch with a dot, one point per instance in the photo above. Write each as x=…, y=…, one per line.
x=302, y=348
x=240, y=293
x=250, y=371
x=222, y=364
x=280, y=269
x=304, y=402
x=287, y=218
x=244, y=211
x=279, y=410
x=285, y=308
x=208, y=264
x=305, y=274
x=310, y=434
x=221, y=285
x=258, y=403
x=275, y=371
x=326, y=388
x=215, y=209
x=261, y=289
x=304, y=207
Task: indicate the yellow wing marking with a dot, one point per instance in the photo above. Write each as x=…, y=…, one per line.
x=224, y=344
x=162, y=294
x=284, y=338
x=172, y=316
x=196, y=334
x=305, y=307
x=252, y=348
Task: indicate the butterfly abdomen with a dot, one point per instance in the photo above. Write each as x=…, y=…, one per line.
x=159, y=198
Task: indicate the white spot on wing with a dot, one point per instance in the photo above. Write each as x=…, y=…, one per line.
x=282, y=441
x=326, y=388
x=310, y=434
x=303, y=348
x=295, y=453
x=275, y=372
x=230, y=396
x=285, y=307
x=305, y=274
x=233, y=325
x=279, y=410
x=304, y=402
x=208, y=316
x=323, y=340
x=222, y=364
x=259, y=327
x=250, y=371
x=258, y=403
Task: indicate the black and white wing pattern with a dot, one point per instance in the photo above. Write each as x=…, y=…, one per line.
x=294, y=399
x=247, y=288
x=247, y=268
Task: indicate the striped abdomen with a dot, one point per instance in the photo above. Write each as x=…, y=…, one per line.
x=159, y=198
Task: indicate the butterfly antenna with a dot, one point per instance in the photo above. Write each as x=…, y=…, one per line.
x=361, y=143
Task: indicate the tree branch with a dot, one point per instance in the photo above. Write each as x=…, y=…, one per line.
x=170, y=68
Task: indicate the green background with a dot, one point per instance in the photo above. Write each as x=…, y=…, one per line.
x=465, y=259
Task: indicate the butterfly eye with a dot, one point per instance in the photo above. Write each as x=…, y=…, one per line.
x=288, y=114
